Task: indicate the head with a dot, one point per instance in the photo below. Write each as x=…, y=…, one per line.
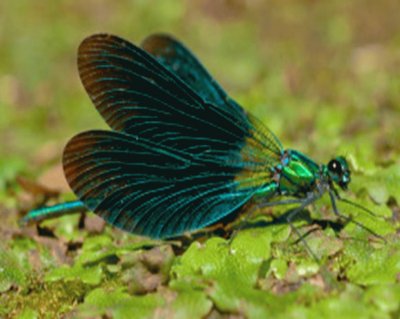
x=339, y=172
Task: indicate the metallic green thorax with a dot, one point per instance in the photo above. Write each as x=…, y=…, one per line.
x=297, y=175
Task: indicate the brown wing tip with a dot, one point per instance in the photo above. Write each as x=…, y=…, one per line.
x=98, y=41
x=89, y=50
x=88, y=43
x=94, y=38
x=74, y=148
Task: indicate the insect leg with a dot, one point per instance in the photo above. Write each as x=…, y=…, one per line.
x=333, y=198
x=260, y=205
x=344, y=200
x=290, y=217
x=303, y=203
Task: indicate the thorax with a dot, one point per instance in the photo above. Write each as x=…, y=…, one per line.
x=297, y=174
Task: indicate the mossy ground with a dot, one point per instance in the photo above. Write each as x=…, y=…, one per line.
x=324, y=76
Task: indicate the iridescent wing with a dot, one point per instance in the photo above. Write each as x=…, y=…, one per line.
x=174, y=161
x=179, y=60
x=146, y=188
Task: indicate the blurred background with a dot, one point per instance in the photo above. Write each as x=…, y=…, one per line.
x=323, y=75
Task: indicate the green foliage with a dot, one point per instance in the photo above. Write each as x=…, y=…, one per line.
x=119, y=304
x=28, y=314
x=372, y=266
x=11, y=272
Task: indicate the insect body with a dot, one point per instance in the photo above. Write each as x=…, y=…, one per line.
x=181, y=154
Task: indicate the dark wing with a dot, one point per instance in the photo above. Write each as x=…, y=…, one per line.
x=146, y=188
x=136, y=94
x=174, y=155
x=179, y=60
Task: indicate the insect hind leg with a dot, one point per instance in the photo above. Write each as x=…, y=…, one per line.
x=289, y=219
x=258, y=206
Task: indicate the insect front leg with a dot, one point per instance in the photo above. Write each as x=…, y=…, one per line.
x=333, y=196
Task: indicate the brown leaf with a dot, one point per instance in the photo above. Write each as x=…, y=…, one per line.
x=94, y=224
x=54, y=179
x=140, y=280
x=148, y=270
x=35, y=188
x=57, y=248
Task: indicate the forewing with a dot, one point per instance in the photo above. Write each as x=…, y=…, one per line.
x=149, y=189
x=179, y=60
x=137, y=95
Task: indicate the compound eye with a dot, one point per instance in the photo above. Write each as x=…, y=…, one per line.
x=334, y=166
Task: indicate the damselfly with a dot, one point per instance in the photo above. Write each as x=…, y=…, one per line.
x=181, y=154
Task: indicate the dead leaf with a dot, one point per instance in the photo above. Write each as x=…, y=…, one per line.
x=54, y=179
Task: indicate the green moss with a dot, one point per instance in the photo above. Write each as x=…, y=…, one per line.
x=11, y=272
x=46, y=300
